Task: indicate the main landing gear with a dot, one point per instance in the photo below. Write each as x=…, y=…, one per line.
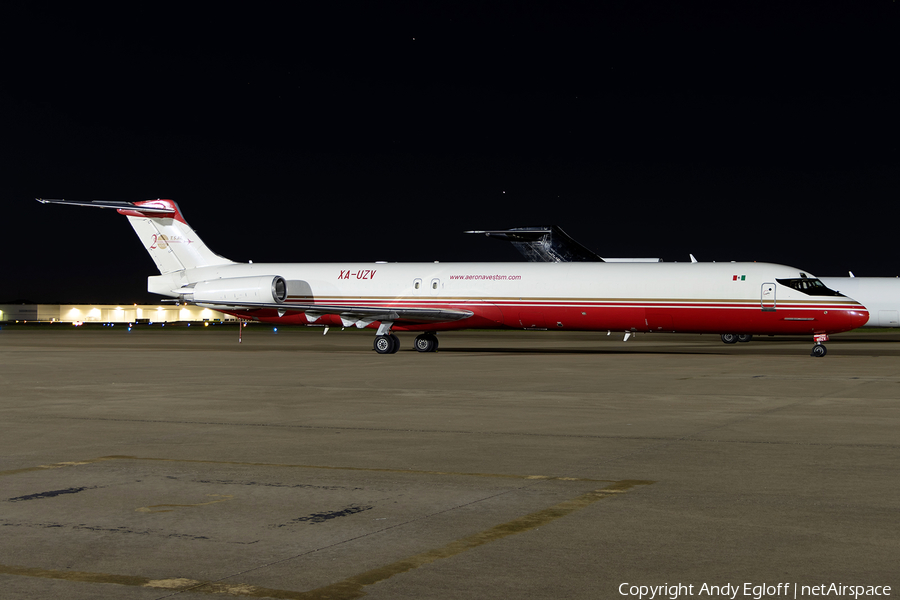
x=387, y=343
x=732, y=338
x=427, y=342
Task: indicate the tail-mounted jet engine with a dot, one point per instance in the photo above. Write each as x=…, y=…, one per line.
x=265, y=289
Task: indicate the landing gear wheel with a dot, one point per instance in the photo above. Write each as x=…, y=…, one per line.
x=729, y=338
x=396, y=343
x=385, y=344
x=819, y=350
x=744, y=337
x=426, y=343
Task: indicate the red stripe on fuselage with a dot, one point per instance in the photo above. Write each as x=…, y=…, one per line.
x=672, y=316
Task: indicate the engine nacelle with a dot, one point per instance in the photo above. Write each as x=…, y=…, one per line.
x=265, y=289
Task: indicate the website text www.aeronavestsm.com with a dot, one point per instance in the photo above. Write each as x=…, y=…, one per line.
x=485, y=277
x=756, y=591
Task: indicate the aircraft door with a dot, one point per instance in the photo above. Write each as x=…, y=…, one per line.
x=888, y=318
x=767, y=296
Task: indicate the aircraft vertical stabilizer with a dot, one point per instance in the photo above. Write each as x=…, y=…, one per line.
x=170, y=241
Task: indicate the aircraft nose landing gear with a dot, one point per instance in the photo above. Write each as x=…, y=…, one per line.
x=819, y=349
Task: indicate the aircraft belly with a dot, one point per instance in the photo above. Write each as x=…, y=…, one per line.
x=532, y=318
x=484, y=311
x=574, y=316
x=674, y=316
x=659, y=321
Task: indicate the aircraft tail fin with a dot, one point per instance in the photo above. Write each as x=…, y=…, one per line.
x=159, y=224
x=543, y=244
x=551, y=244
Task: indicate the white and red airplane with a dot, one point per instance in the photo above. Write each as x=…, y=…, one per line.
x=747, y=298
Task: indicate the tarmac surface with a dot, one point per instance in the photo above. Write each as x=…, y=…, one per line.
x=176, y=463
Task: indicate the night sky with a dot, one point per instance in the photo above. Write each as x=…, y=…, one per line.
x=382, y=131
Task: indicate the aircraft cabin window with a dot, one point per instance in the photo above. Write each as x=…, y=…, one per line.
x=810, y=287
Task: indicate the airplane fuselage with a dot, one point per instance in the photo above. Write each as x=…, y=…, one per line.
x=647, y=297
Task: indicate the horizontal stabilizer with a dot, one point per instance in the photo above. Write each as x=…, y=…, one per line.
x=109, y=204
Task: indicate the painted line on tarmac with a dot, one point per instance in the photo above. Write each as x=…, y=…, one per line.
x=59, y=465
x=178, y=584
x=352, y=587
x=292, y=466
x=160, y=508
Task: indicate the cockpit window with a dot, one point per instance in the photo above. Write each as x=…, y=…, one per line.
x=809, y=286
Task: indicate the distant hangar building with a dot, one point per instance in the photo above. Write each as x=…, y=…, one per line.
x=109, y=313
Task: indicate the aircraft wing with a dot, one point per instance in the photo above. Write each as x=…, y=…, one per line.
x=360, y=316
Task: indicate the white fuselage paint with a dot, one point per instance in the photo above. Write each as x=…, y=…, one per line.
x=880, y=295
x=641, y=296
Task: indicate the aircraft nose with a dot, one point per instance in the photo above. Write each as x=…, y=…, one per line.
x=859, y=317
x=851, y=318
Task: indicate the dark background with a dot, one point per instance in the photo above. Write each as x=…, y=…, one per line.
x=381, y=131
